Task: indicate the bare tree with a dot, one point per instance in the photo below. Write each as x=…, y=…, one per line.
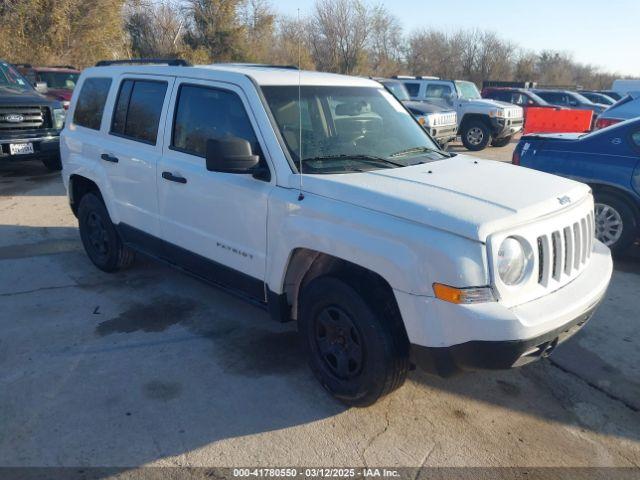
x=338, y=32
x=155, y=29
x=385, y=43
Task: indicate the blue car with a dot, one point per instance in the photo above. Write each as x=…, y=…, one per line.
x=609, y=161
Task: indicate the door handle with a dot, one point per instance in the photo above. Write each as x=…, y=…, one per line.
x=109, y=158
x=173, y=178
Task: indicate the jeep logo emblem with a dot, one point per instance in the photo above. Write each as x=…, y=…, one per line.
x=564, y=200
x=14, y=118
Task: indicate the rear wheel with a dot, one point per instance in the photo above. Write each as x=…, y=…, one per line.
x=355, y=349
x=99, y=236
x=501, y=142
x=475, y=135
x=616, y=224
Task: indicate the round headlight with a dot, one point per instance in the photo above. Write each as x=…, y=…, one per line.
x=512, y=261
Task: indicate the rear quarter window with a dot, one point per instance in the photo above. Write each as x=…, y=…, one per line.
x=90, y=104
x=413, y=88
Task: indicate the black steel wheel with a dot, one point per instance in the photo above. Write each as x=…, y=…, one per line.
x=99, y=236
x=356, y=344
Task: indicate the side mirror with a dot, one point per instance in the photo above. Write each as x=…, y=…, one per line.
x=230, y=155
x=41, y=87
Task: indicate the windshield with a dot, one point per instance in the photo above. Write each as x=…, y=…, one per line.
x=59, y=80
x=11, y=79
x=399, y=90
x=467, y=90
x=348, y=129
x=580, y=98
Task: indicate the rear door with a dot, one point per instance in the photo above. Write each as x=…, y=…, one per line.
x=219, y=216
x=133, y=148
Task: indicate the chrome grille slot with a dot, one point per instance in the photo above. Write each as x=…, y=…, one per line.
x=568, y=250
x=558, y=250
x=577, y=245
x=585, y=240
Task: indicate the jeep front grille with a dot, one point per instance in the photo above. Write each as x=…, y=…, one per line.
x=563, y=253
x=24, y=118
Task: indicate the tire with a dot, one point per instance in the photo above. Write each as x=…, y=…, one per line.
x=53, y=164
x=356, y=348
x=475, y=135
x=616, y=223
x=501, y=142
x=99, y=236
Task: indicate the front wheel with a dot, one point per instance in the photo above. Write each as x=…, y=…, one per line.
x=501, y=142
x=355, y=349
x=616, y=224
x=475, y=135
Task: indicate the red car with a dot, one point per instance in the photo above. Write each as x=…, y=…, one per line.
x=60, y=80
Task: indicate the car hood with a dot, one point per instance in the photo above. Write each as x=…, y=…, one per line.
x=9, y=96
x=487, y=102
x=465, y=196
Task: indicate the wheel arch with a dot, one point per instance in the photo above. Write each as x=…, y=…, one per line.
x=79, y=186
x=623, y=195
x=469, y=117
x=305, y=265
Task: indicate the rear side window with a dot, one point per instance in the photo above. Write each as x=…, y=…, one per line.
x=138, y=108
x=204, y=113
x=413, y=88
x=90, y=104
x=435, y=90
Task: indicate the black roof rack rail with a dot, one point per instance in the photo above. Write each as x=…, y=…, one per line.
x=258, y=65
x=22, y=65
x=70, y=67
x=172, y=62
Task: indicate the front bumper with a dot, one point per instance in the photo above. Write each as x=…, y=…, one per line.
x=506, y=127
x=443, y=134
x=44, y=146
x=447, y=337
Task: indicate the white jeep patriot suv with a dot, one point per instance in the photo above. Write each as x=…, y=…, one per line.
x=320, y=197
x=481, y=121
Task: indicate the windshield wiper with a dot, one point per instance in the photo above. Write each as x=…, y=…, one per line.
x=407, y=151
x=358, y=157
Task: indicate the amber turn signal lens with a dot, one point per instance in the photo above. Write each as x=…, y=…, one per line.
x=463, y=295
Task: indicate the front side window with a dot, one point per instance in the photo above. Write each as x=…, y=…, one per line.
x=348, y=129
x=138, y=110
x=204, y=113
x=90, y=104
x=467, y=90
x=438, y=90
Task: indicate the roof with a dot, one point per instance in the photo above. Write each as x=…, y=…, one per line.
x=262, y=75
x=55, y=69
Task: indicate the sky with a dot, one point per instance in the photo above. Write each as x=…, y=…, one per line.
x=605, y=34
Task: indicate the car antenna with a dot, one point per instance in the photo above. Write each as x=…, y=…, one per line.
x=300, y=194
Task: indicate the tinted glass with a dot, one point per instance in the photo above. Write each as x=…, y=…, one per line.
x=140, y=119
x=398, y=89
x=59, y=80
x=636, y=138
x=122, y=103
x=206, y=113
x=435, y=90
x=11, y=79
x=90, y=104
x=412, y=88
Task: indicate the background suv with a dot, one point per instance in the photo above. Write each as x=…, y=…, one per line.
x=480, y=121
x=440, y=122
x=30, y=123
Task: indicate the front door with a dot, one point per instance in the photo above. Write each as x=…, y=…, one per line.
x=219, y=217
